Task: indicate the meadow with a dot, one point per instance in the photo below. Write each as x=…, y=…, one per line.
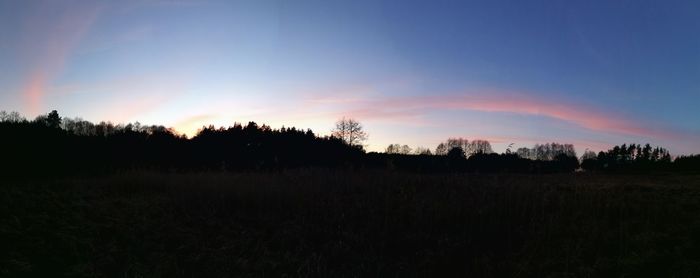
x=350, y=223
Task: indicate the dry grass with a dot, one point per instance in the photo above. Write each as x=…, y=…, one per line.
x=351, y=224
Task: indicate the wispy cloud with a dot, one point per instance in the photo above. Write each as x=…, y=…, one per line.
x=578, y=114
x=413, y=110
x=50, y=34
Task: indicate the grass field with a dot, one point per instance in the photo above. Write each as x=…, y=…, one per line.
x=320, y=223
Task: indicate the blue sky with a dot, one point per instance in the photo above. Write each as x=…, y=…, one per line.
x=592, y=73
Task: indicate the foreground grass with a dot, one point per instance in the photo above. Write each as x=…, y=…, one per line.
x=351, y=224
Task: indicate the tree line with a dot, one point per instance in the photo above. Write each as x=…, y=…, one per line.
x=51, y=145
x=631, y=158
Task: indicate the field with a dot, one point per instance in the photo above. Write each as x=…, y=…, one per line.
x=326, y=223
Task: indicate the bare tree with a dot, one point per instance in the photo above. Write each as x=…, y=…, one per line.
x=526, y=153
x=547, y=152
x=469, y=148
x=350, y=131
x=15, y=117
x=457, y=143
x=478, y=146
x=441, y=149
x=588, y=154
x=509, y=149
x=393, y=149
x=12, y=117
x=422, y=151
x=398, y=149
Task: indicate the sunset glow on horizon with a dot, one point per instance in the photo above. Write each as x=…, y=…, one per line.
x=592, y=73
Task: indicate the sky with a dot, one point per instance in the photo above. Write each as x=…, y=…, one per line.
x=591, y=73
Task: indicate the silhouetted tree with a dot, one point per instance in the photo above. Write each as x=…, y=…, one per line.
x=526, y=153
x=350, y=131
x=12, y=117
x=689, y=163
x=469, y=148
x=441, y=149
x=547, y=152
x=50, y=145
x=589, y=160
x=53, y=119
x=393, y=149
x=398, y=149
x=456, y=153
x=422, y=151
x=632, y=158
x=478, y=146
x=452, y=143
x=509, y=149
x=588, y=154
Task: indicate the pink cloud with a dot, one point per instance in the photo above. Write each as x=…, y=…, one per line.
x=34, y=90
x=411, y=110
x=576, y=114
x=580, y=115
x=47, y=43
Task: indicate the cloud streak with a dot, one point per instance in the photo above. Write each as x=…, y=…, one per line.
x=50, y=34
x=585, y=117
x=415, y=108
x=418, y=111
